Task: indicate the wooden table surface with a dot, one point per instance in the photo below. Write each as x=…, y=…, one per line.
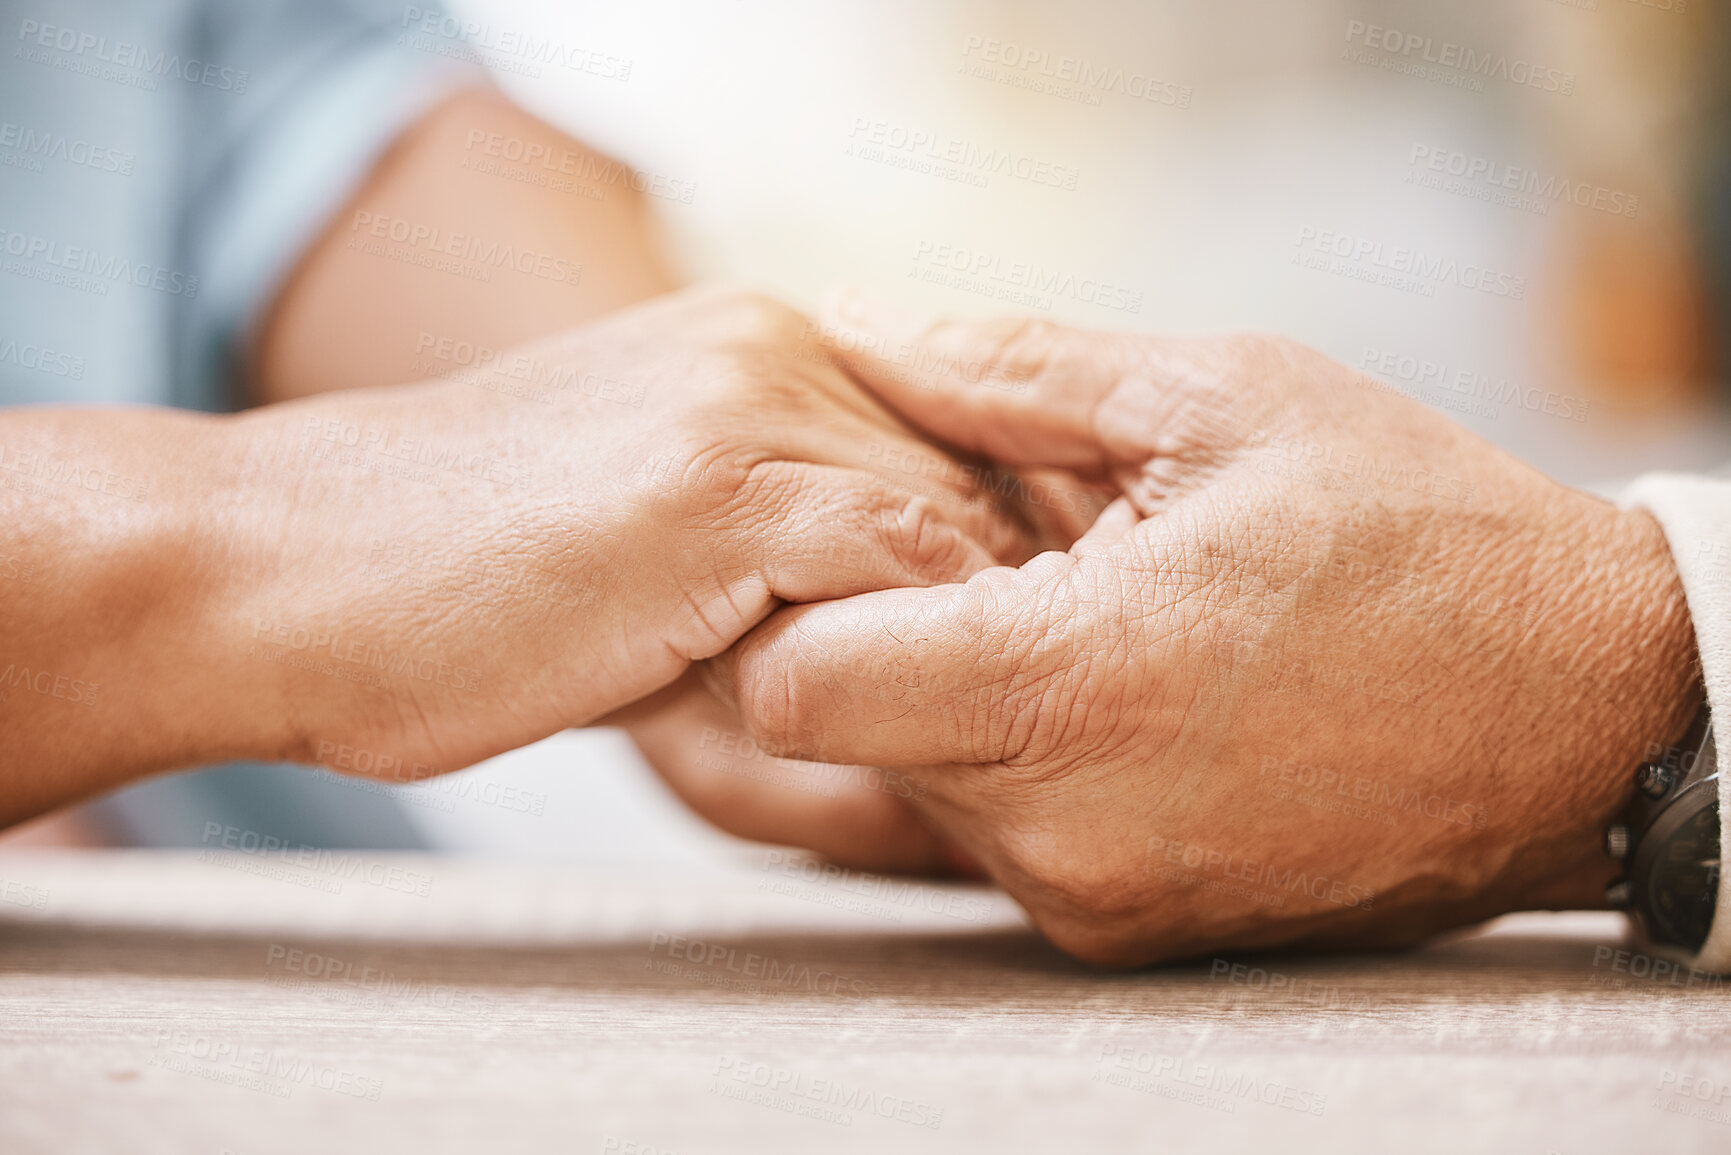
x=258, y=1003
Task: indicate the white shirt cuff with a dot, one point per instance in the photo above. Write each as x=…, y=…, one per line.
x=1695, y=513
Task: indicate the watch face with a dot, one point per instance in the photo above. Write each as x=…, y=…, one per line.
x=1684, y=882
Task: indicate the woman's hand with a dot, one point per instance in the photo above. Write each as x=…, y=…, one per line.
x=391, y=580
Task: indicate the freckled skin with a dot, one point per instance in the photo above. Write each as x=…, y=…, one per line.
x=1331, y=671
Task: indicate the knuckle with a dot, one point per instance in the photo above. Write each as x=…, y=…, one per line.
x=769, y=491
x=1211, y=396
x=1023, y=348
x=917, y=537
x=690, y=468
x=1029, y=340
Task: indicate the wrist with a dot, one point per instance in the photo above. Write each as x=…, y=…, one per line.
x=194, y=700
x=1638, y=689
x=114, y=671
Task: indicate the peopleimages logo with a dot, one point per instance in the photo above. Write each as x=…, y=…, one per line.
x=1264, y=874
x=511, y=49
x=1400, y=266
x=585, y=169
x=434, y=242
x=23, y=894
x=48, y=684
x=1422, y=373
x=1511, y=185
x=1024, y=282
x=1357, y=788
x=41, y=359
x=920, y=149
x=758, y=969
x=1119, y=1066
x=1446, y=61
x=365, y=653
x=37, y=145
x=58, y=472
x=742, y=748
x=89, y=270
x=124, y=54
x=796, y=1091
x=1070, y=77
x=370, y=445
x=338, y=865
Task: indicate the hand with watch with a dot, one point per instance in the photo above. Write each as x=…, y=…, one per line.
x=1329, y=671
x=1669, y=839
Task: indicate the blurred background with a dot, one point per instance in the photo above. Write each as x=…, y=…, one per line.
x=1516, y=211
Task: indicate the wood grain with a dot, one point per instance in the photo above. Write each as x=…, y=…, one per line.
x=186, y=1003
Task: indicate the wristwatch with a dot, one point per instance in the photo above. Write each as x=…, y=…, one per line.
x=1669, y=841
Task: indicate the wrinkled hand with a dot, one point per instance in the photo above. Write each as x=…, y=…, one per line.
x=1331, y=669
x=856, y=815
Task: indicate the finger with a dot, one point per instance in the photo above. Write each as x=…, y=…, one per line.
x=901, y=677
x=999, y=505
x=1019, y=390
x=992, y=507
x=823, y=533
x=1032, y=509
x=857, y=816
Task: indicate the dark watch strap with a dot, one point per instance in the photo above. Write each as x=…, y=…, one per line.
x=1669, y=841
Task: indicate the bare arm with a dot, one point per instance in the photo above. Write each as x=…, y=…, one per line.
x=363, y=308
x=432, y=574
x=117, y=528
x=427, y=574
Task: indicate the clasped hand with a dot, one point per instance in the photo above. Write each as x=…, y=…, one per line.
x=1301, y=680
x=1328, y=669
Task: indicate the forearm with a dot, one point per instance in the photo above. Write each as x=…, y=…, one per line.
x=278, y=584
x=517, y=249
x=433, y=573
x=110, y=560
x=123, y=608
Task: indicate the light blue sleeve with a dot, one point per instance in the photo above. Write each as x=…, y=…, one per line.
x=337, y=82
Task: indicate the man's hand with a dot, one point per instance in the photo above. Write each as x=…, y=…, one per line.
x=1331, y=670
x=402, y=580
x=858, y=816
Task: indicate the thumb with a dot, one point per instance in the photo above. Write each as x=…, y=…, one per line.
x=899, y=677
x=1019, y=390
